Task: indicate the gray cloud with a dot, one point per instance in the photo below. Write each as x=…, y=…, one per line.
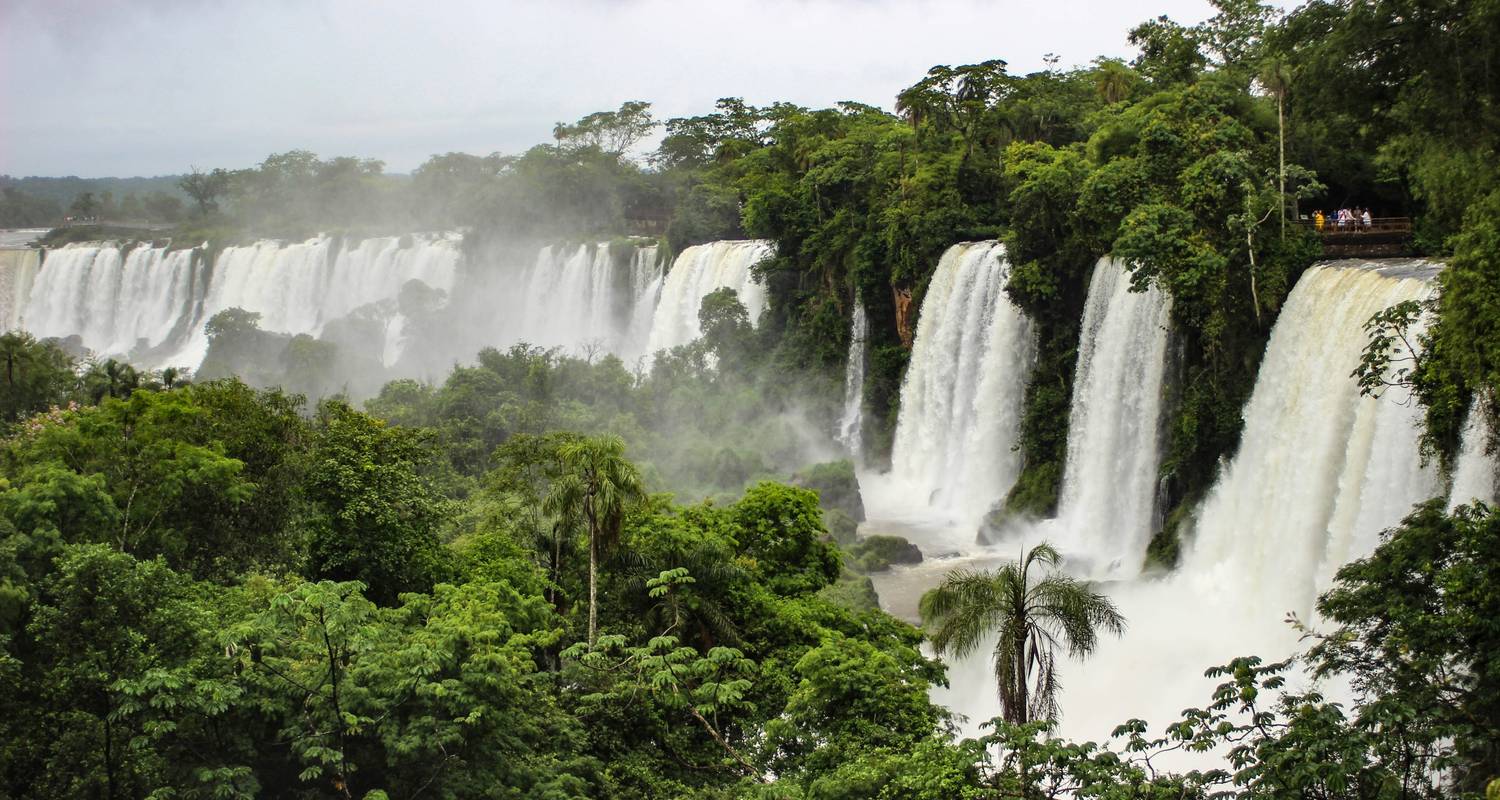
x=102, y=88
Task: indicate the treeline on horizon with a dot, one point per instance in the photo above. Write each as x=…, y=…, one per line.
x=217, y=589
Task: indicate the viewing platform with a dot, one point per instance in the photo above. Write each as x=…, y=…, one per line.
x=95, y=222
x=1384, y=237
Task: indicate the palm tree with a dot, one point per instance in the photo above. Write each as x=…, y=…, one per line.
x=1276, y=77
x=1034, y=616
x=1112, y=80
x=110, y=378
x=597, y=486
x=173, y=377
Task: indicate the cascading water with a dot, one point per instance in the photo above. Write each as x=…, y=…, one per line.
x=1109, y=486
x=580, y=296
x=121, y=303
x=150, y=303
x=646, y=279
x=18, y=268
x=1474, y=473
x=851, y=423
x=302, y=286
x=954, y=452
x=1320, y=472
x=698, y=271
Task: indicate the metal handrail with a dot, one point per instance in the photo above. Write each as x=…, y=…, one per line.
x=1377, y=225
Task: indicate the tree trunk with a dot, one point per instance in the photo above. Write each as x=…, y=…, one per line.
x=593, y=583
x=749, y=770
x=342, y=781
x=1022, y=713
x=1250, y=246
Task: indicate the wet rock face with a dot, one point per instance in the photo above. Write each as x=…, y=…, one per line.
x=837, y=486
x=905, y=327
x=880, y=553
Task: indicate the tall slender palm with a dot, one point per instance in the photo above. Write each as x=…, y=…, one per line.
x=597, y=486
x=1034, y=616
x=1276, y=77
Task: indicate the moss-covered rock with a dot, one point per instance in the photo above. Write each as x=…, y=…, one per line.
x=1166, y=546
x=837, y=487
x=878, y=553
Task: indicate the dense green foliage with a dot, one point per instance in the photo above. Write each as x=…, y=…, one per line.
x=206, y=592
x=483, y=587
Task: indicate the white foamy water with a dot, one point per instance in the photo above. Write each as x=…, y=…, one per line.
x=1474, y=472
x=150, y=304
x=18, y=270
x=1320, y=472
x=850, y=427
x=953, y=456
x=1108, y=493
x=698, y=271
x=122, y=303
x=579, y=297
x=300, y=287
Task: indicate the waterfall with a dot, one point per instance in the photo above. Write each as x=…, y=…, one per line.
x=954, y=452
x=1109, y=487
x=151, y=303
x=854, y=385
x=697, y=272
x=1474, y=473
x=579, y=296
x=1321, y=470
x=646, y=279
x=119, y=302
x=18, y=270
x=1320, y=465
x=300, y=287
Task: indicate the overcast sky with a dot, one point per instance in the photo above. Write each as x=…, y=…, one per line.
x=104, y=87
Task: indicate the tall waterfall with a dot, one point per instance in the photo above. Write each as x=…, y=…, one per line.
x=120, y=302
x=580, y=296
x=1322, y=469
x=18, y=270
x=961, y=399
x=1474, y=475
x=299, y=287
x=1109, y=487
x=1320, y=472
x=851, y=423
x=698, y=271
